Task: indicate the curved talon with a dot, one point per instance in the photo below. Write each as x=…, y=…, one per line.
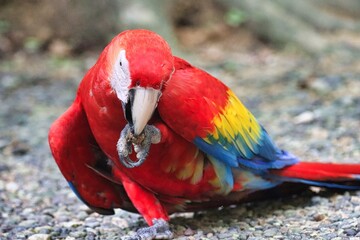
x=141, y=144
x=127, y=162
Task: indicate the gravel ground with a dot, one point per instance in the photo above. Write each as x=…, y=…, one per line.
x=310, y=107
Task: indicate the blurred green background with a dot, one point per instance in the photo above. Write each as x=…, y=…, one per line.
x=73, y=27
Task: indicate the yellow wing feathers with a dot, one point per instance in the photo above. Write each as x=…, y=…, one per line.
x=235, y=124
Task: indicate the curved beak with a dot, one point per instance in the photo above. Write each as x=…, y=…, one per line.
x=140, y=106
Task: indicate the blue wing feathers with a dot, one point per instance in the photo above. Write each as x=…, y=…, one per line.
x=224, y=173
x=217, y=151
x=261, y=156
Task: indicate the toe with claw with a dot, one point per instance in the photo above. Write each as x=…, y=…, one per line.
x=142, y=143
x=159, y=230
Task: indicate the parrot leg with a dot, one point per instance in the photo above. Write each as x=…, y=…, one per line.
x=142, y=143
x=149, y=207
x=159, y=229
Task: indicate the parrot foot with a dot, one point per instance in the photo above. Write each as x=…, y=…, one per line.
x=142, y=143
x=160, y=230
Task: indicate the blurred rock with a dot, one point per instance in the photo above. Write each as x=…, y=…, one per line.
x=40, y=236
x=305, y=117
x=189, y=232
x=322, y=85
x=11, y=187
x=17, y=148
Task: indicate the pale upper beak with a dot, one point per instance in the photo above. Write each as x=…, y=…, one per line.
x=140, y=106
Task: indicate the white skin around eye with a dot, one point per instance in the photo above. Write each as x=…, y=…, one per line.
x=120, y=77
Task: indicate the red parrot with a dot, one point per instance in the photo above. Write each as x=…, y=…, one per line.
x=148, y=132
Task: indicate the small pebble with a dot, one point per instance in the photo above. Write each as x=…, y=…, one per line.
x=72, y=224
x=270, y=232
x=305, y=117
x=319, y=217
x=189, y=232
x=27, y=223
x=40, y=236
x=43, y=229
x=92, y=224
x=70, y=238
x=77, y=234
x=350, y=232
x=12, y=187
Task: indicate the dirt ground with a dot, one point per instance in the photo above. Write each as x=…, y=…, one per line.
x=309, y=105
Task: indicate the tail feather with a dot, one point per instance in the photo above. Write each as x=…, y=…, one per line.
x=331, y=175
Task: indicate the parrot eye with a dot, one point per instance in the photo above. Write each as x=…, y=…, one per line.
x=120, y=63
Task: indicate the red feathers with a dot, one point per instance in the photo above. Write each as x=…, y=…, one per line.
x=193, y=167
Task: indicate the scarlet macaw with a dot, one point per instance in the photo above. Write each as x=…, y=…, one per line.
x=197, y=145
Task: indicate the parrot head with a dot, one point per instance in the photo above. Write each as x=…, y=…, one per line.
x=140, y=62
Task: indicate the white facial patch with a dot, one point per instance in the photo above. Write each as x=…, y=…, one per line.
x=120, y=77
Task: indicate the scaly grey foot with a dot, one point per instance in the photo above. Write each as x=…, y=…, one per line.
x=159, y=230
x=142, y=143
